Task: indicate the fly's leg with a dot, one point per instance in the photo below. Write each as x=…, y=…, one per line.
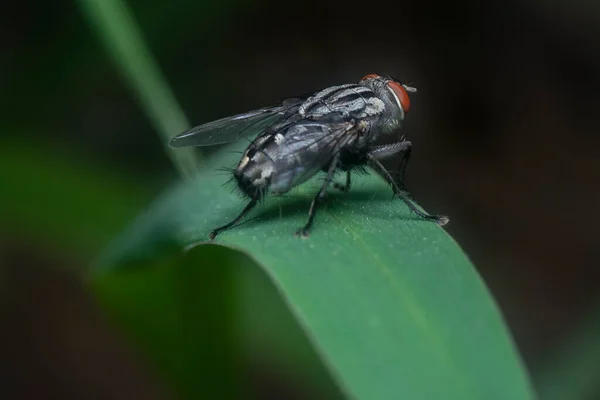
x=304, y=231
x=245, y=211
x=402, y=169
x=375, y=164
x=388, y=150
x=344, y=188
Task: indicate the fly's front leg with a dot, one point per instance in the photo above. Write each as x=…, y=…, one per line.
x=388, y=150
x=304, y=231
x=403, y=164
x=344, y=188
x=245, y=211
x=375, y=164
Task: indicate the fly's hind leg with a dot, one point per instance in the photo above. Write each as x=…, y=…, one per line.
x=403, y=195
x=305, y=230
x=228, y=225
x=344, y=188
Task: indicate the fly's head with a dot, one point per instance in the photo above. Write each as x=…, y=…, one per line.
x=395, y=97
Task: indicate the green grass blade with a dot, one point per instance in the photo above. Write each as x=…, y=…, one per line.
x=116, y=27
x=390, y=302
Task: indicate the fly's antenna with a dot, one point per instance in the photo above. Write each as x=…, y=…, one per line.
x=409, y=88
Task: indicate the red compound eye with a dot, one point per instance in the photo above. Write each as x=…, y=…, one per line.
x=401, y=94
x=370, y=76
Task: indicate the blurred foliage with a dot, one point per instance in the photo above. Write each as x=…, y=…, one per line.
x=115, y=25
x=208, y=317
x=572, y=370
x=63, y=201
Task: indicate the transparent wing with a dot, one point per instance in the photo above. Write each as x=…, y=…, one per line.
x=229, y=129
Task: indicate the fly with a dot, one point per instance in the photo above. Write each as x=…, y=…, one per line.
x=332, y=129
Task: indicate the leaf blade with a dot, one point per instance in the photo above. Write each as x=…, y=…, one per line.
x=390, y=302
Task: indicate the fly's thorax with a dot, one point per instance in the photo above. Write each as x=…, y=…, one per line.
x=351, y=100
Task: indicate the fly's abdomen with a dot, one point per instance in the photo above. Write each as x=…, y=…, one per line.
x=254, y=172
x=278, y=161
x=256, y=178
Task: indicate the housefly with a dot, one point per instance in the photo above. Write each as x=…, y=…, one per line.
x=329, y=130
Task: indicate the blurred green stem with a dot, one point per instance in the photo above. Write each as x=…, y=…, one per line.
x=115, y=25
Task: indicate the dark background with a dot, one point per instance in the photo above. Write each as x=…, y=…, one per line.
x=504, y=128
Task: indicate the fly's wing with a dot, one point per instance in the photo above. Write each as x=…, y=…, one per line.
x=309, y=146
x=229, y=129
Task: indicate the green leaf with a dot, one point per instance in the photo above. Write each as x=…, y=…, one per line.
x=390, y=302
x=203, y=315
